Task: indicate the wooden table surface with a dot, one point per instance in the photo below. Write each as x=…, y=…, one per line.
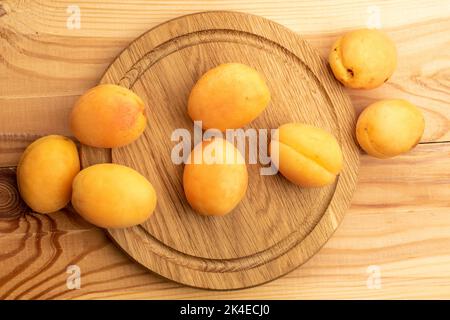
x=394, y=241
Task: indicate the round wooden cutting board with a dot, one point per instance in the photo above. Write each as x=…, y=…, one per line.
x=278, y=226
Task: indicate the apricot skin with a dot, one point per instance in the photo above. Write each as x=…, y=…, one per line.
x=215, y=188
x=307, y=156
x=388, y=128
x=113, y=196
x=228, y=96
x=45, y=173
x=363, y=59
x=108, y=116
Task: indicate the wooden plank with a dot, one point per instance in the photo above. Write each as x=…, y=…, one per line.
x=407, y=238
x=276, y=223
x=44, y=64
x=12, y=147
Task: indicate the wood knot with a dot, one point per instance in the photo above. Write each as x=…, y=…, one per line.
x=11, y=205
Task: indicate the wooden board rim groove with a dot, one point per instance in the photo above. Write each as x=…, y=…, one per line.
x=148, y=65
x=215, y=278
x=166, y=251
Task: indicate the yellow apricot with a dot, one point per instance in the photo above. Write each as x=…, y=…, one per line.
x=108, y=116
x=363, y=59
x=307, y=156
x=215, y=179
x=45, y=173
x=113, y=196
x=388, y=128
x=228, y=96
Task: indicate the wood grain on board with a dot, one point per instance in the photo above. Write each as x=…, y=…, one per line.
x=277, y=226
x=399, y=220
x=45, y=66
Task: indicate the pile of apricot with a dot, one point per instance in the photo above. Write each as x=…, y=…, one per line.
x=107, y=195
x=228, y=96
x=365, y=59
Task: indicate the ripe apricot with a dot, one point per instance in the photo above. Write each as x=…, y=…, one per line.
x=388, y=128
x=307, y=156
x=45, y=173
x=228, y=97
x=363, y=59
x=108, y=116
x=113, y=196
x=215, y=179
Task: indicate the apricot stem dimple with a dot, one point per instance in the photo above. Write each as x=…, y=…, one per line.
x=350, y=72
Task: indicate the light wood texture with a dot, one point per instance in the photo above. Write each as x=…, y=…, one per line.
x=45, y=66
x=399, y=219
x=277, y=226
